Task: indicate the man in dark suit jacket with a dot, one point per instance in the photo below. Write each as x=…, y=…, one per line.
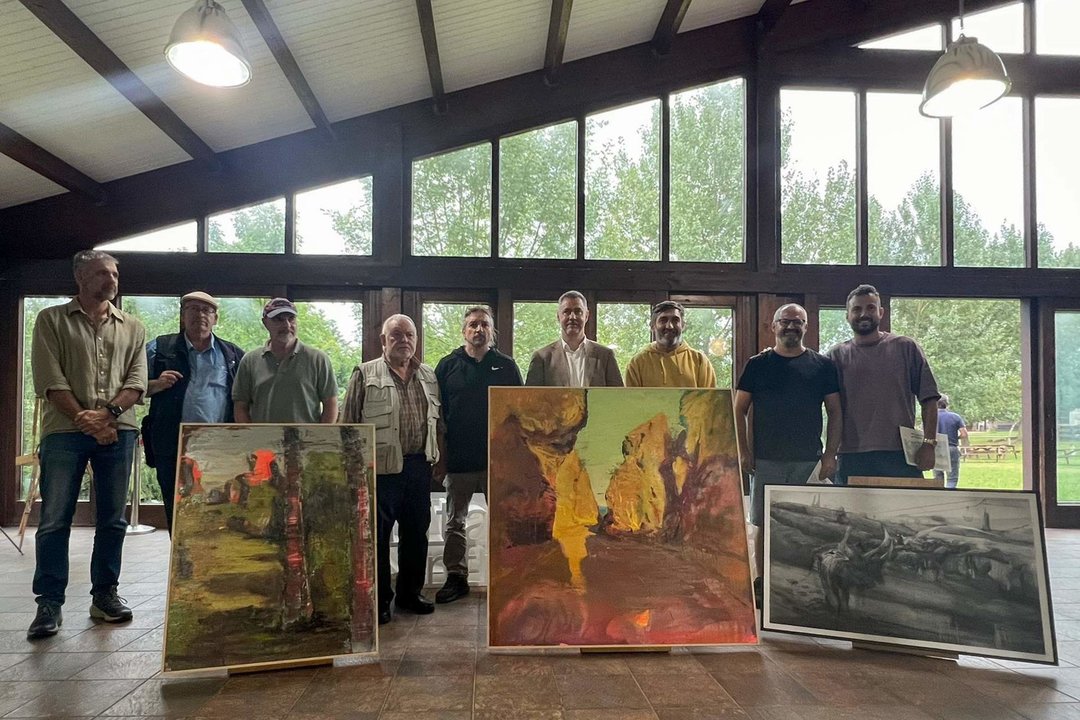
x=573, y=360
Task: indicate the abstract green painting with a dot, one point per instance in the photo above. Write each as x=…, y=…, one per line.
x=273, y=546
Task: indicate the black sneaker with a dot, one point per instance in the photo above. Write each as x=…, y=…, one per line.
x=110, y=607
x=455, y=588
x=46, y=623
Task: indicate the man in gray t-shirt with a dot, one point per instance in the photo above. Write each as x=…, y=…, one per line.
x=881, y=377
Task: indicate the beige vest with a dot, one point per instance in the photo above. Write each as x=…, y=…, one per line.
x=382, y=408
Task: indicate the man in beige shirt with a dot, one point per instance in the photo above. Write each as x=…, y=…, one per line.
x=89, y=364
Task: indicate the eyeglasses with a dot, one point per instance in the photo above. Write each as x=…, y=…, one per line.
x=796, y=322
x=200, y=309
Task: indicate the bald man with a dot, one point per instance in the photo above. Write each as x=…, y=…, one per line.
x=400, y=396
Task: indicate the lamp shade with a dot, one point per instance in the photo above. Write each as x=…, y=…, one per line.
x=969, y=76
x=205, y=46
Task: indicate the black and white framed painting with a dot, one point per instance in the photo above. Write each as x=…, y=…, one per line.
x=960, y=571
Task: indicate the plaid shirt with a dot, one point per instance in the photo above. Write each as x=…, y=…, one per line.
x=413, y=413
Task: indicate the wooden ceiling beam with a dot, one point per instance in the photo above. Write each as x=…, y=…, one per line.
x=769, y=14
x=56, y=16
x=668, y=27
x=431, y=53
x=44, y=163
x=287, y=62
x=558, y=27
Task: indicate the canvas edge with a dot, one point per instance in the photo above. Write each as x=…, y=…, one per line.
x=1046, y=609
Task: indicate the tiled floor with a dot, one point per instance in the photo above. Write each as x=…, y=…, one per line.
x=436, y=667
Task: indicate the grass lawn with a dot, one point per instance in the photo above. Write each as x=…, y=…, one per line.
x=1008, y=472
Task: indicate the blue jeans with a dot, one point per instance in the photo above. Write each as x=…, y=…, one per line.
x=954, y=471
x=63, y=461
x=775, y=472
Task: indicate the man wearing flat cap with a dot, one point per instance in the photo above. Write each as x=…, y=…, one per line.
x=284, y=381
x=191, y=377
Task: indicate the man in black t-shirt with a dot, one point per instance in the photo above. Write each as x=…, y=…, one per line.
x=786, y=385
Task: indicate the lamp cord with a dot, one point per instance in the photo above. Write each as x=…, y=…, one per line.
x=961, y=18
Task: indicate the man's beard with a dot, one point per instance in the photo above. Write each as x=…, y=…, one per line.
x=858, y=329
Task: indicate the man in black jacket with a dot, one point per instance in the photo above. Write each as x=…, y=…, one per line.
x=190, y=380
x=464, y=378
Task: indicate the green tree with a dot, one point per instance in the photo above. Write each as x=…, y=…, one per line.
x=538, y=193
x=255, y=229
x=451, y=203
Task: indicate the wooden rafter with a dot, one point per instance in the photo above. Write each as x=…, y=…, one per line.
x=668, y=27
x=269, y=30
x=56, y=16
x=44, y=163
x=431, y=52
x=558, y=27
x=769, y=15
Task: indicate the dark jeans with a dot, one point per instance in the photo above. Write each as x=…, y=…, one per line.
x=63, y=460
x=954, y=471
x=166, y=480
x=404, y=498
x=876, y=463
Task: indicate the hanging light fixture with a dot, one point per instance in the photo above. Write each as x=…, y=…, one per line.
x=968, y=77
x=205, y=46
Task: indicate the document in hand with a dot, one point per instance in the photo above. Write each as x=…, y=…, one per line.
x=912, y=439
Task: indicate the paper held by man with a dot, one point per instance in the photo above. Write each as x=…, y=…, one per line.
x=912, y=440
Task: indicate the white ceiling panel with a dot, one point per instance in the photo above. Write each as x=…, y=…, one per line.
x=137, y=30
x=57, y=101
x=20, y=185
x=358, y=57
x=711, y=12
x=485, y=40
x=597, y=26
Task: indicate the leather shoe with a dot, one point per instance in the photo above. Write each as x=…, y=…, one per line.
x=385, y=616
x=418, y=604
x=456, y=587
x=46, y=623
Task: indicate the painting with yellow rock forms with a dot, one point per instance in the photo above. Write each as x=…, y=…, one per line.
x=616, y=519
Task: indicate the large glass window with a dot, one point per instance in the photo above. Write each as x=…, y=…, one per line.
x=929, y=37
x=254, y=229
x=622, y=183
x=335, y=219
x=833, y=327
x=1056, y=22
x=442, y=328
x=1057, y=164
x=1067, y=366
x=1001, y=29
x=451, y=203
x=903, y=184
x=708, y=151
x=536, y=324
x=240, y=322
x=624, y=327
x=988, y=186
x=710, y=330
x=973, y=347
x=178, y=238
x=336, y=328
x=538, y=193
x=817, y=188
x=31, y=306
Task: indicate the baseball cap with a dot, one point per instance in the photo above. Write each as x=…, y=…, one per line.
x=200, y=296
x=277, y=306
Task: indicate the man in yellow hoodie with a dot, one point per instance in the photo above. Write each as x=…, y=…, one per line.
x=668, y=361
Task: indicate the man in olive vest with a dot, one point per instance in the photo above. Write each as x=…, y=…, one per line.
x=400, y=396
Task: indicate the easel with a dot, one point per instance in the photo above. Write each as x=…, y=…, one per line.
x=35, y=464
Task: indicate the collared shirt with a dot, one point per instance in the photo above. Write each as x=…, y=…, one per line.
x=206, y=399
x=575, y=361
x=287, y=391
x=94, y=363
x=413, y=428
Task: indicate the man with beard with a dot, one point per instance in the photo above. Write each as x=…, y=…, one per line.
x=399, y=395
x=668, y=361
x=191, y=376
x=285, y=381
x=573, y=360
x=89, y=365
x=786, y=385
x=881, y=377
x=464, y=378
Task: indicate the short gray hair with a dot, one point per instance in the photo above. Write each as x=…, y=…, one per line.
x=85, y=257
x=574, y=294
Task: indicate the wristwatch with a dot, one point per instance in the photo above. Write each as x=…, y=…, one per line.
x=115, y=410
x=929, y=441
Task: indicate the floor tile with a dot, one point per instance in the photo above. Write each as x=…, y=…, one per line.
x=427, y=694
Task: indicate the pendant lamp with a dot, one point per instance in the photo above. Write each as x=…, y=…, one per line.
x=206, y=47
x=968, y=77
